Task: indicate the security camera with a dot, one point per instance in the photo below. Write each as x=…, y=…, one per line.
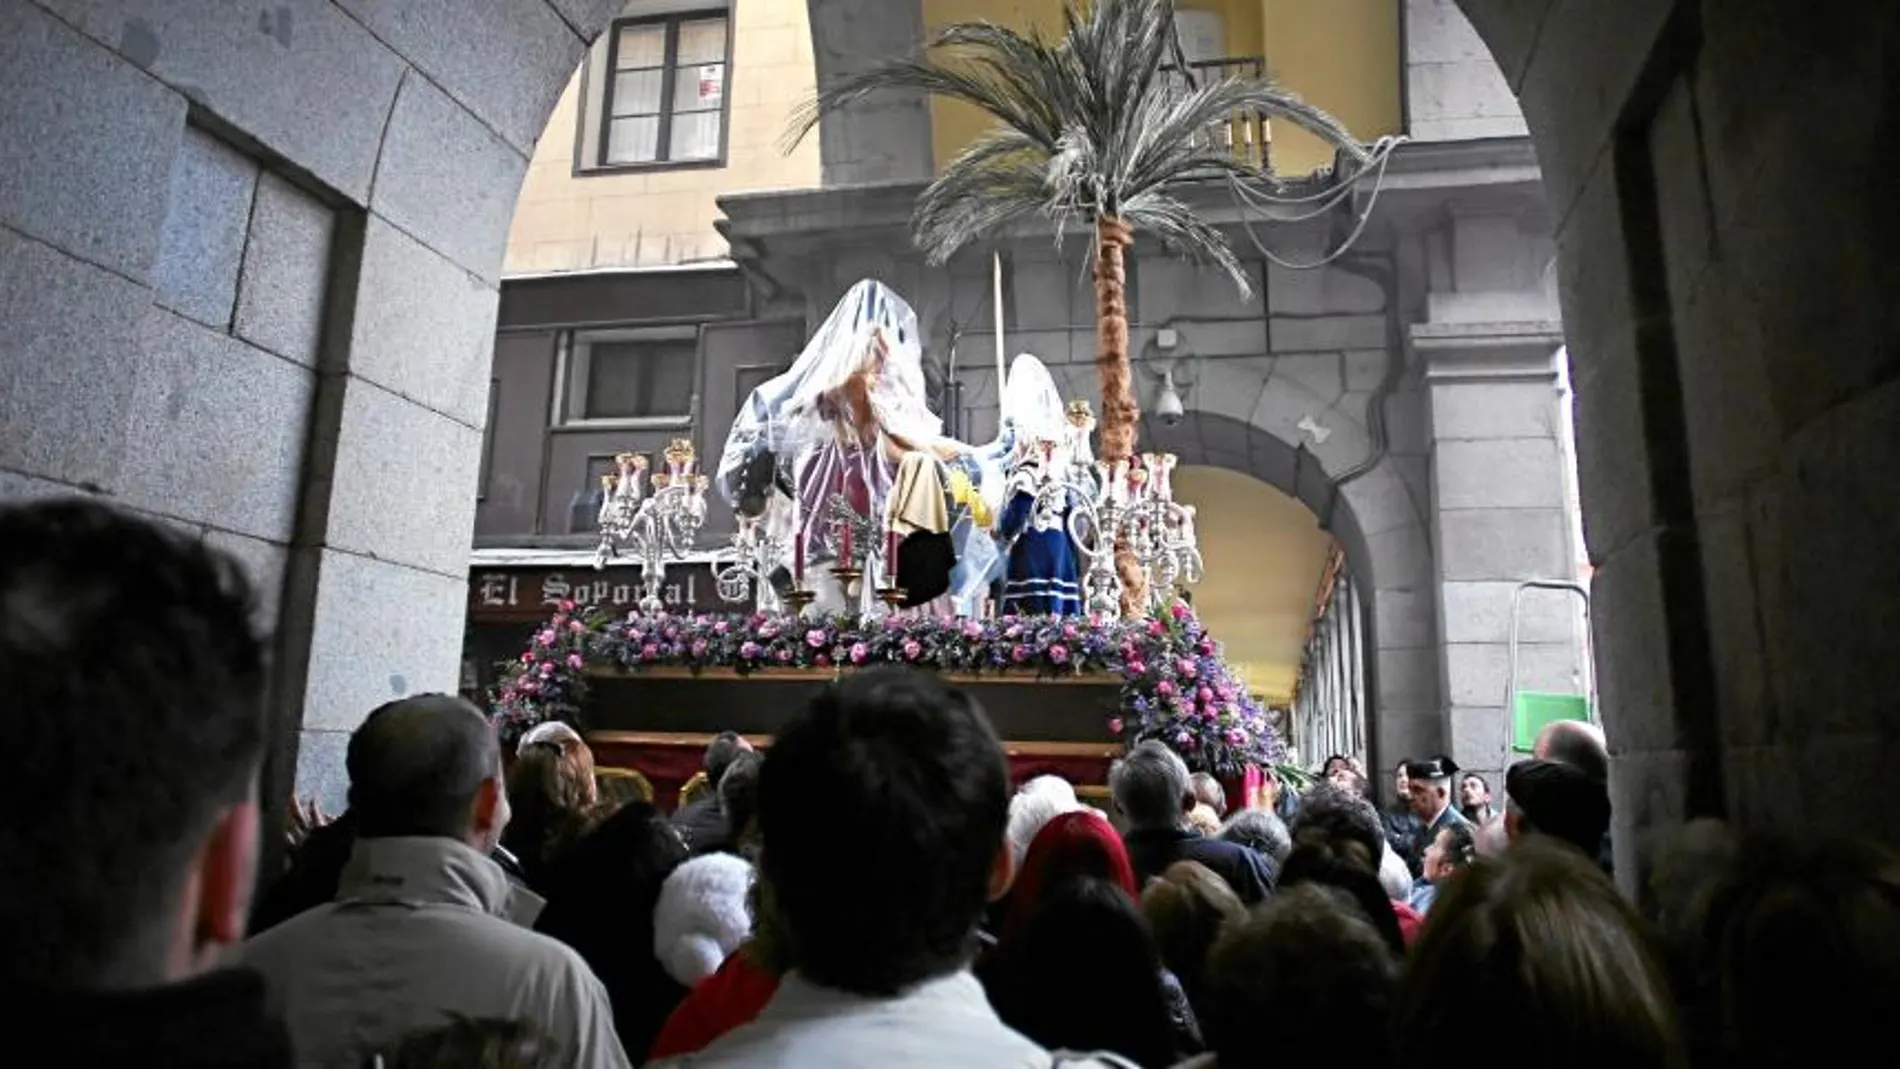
x=1168, y=406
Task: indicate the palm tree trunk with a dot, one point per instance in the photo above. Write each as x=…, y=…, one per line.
x=1120, y=410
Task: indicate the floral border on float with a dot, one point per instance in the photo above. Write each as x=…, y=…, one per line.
x=1175, y=686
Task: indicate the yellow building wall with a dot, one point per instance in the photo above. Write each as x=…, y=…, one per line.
x=1265, y=556
x=565, y=222
x=1342, y=55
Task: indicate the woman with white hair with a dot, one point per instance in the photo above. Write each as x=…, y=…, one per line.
x=1035, y=804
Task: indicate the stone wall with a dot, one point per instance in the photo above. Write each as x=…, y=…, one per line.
x=1728, y=282
x=248, y=256
x=1453, y=88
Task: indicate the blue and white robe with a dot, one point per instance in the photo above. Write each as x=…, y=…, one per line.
x=1044, y=574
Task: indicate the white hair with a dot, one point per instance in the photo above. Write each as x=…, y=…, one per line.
x=1038, y=802
x=1393, y=875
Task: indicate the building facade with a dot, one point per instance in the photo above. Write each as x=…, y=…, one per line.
x=669, y=253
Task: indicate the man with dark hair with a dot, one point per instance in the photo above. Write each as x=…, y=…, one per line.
x=1558, y=800
x=1154, y=792
x=702, y=821
x=882, y=812
x=1310, y=972
x=1403, y=829
x=417, y=932
x=739, y=799
x=134, y=713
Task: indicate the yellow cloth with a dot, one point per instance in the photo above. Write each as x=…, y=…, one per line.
x=963, y=492
x=917, y=496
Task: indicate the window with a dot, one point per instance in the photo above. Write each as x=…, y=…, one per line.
x=656, y=92
x=630, y=376
x=583, y=509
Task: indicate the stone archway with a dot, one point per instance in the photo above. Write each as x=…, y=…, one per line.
x=1382, y=532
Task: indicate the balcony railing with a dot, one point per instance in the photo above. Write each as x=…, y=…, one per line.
x=1247, y=134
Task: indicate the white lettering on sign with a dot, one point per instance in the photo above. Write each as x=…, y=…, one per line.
x=498, y=591
x=554, y=590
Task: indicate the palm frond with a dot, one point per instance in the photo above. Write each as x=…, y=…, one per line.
x=1000, y=179
x=1183, y=231
x=973, y=84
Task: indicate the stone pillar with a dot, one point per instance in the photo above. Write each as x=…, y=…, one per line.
x=1500, y=507
x=887, y=137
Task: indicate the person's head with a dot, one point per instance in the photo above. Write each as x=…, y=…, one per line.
x=1574, y=743
x=739, y=795
x=1188, y=906
x=428, y=766
x=1331, y=814
x=1086, y=927
x=1560, y=962
x=1558, y=800
x=1429, y=784
x=467, y=1043
x=552, y=776
x=1204, y=820
x=1336, y=761
x=1261, y=829
x=1150, y=787
x=1348, y=779
x=1303, y=980
x=1473, y=792
x=1452, y=849
x=1075, y=844
x=1401, y=782
x=1208, y=792
x=1342, y=865
x=135, y=722
x=901, y=767
x=725, y=746
x=1790, y=957
x=1035, y=804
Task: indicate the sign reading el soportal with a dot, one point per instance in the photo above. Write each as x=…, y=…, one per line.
x=512, y=594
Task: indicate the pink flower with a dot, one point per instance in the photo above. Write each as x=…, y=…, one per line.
x=547, y=669
x=749, y=650
x=1180, y=611
x=768, y=630
x=567, y=606
x=699, y=647
x=1013, y=631
x=1236, y=737
x=528, y=657
x=544, y=638
x=785, y=655
x=1156, y=627
x=720, y=627
x=529, y=686
x=649, y=651
x=574, y=661
x=972, y=629
x=913, y=650
x=1207, y=647
x=1069, y=631
x=1114, y=725
x=1205, y=695
x=1164, y=689
x=1186, y=668
x=1059, y=653
x=576, y=626
x=859, y=651
x=815, y=638
x=1019, y=653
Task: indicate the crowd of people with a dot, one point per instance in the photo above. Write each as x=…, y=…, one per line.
x=871, y=891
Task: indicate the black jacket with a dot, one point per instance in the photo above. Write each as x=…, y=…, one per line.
x=216, y=1021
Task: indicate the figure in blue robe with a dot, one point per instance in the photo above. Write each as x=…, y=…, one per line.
x=1044, y=574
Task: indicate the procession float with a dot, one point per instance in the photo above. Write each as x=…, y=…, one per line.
x=866, y=536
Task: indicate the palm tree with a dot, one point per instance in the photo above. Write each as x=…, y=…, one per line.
x=1089, y=129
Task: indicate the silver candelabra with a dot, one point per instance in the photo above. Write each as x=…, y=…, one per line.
x=1131, y=503
x=652, y=526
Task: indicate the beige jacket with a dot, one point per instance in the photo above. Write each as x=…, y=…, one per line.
x=416, y=934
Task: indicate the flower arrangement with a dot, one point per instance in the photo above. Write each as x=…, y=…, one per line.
x=1175, y=687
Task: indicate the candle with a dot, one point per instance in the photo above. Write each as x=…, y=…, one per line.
x=890, y=557
x=844, y=557
x=798, y=545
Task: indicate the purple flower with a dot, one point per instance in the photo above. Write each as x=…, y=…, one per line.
x=785, y=655
x=574, y=661
x=1013, y=631
x=859, y=651
x=913, y=650
x=699, y=647
x=815, y=638
x=1059, y=653
x=1069, y=631
x=749, y=650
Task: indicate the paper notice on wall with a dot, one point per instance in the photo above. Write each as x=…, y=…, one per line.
x=712, y=83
